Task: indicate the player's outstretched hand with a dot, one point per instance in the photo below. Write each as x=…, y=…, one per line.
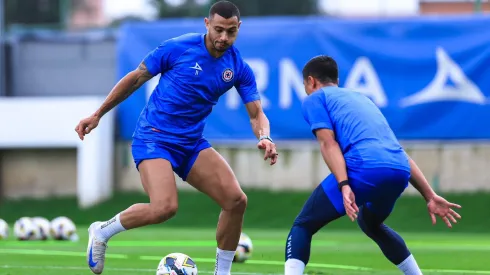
x=270, y=150
x=85, y=126
x=444, y=209
x=350, y=202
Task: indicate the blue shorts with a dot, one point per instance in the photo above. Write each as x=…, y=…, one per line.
x=181, y=156
x=376, y=188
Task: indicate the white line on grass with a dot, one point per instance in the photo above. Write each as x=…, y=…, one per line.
x=454, y=271
x=261, y=262
x=207, y=260
x=142, y=270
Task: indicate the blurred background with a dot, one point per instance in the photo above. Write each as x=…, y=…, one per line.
x=423, y=62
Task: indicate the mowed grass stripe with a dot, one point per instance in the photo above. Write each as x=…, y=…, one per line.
x=158, y=258
x=136, y=270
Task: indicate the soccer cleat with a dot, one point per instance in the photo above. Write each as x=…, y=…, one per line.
x=95, y=251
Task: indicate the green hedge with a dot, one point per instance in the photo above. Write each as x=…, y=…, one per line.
x=266, y=210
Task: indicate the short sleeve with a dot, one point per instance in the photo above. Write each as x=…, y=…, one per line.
x=159, y=60
x=315, y=113
x=246, y=85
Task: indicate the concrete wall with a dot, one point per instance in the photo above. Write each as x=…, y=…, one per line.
x=70, y=66
x=39, y=173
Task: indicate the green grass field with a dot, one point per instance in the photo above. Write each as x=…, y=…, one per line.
x=333, y=252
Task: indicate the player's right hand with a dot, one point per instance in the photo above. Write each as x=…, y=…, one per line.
x=350, y=205
x=444, y=209
x=85, y=126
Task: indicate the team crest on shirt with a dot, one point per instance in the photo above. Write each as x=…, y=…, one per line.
x=227, y=75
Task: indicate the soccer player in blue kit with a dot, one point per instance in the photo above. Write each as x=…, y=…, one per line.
x=196, y=69
x=368, y=168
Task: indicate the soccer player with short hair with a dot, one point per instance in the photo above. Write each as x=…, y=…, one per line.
x=369, y=169
x=196, y=69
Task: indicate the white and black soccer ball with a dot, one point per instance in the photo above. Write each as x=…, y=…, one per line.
x=244, y=249
x=24, y=229
x=63, y=229
x=42, y=228
x=4, y=230
x=177, y=264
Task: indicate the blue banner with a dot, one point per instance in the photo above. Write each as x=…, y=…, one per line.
x=429, y=76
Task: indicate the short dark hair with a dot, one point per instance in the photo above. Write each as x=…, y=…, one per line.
x=322, y=67
x=225, y=9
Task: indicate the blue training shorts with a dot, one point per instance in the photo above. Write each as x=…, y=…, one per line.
x=376, y=188
x=181, y=156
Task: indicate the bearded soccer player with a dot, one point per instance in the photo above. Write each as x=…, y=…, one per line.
x=196, y=69
x=370, y=170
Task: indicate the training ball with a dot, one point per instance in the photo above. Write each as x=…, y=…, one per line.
x=177, y=264
x=42, y=228
x=244, y=249
x=63, y=229
x=24, y=229
x=4, y=230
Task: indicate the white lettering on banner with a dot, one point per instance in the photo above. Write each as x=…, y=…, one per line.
x=289, y=79
x=150, y=85
x=438, y=90
x=261, y=72
x=363, y=69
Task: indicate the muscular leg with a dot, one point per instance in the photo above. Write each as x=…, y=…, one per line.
x=158, y=181
x=212, y=175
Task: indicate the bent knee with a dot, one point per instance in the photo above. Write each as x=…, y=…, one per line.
x=162, y=212
x=236, y=203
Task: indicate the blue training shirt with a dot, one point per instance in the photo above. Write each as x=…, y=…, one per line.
x=363, y=134
x=190, y=84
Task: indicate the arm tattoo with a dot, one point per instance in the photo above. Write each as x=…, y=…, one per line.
x=144, y=75
x=142, y=67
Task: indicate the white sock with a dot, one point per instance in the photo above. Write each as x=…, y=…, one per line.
x=409, y=266
x=294, y=267
x=109, y=228
x=224, y=258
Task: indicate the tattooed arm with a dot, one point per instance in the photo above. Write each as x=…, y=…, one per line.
x=124, y=88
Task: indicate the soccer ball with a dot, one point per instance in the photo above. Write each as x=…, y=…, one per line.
x=24, y=229
x=177, y=264
x=244, y=250
x=63, y=229
x=43, y=227
x=4, y=230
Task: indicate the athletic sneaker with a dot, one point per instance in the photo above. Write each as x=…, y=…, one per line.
x=95, y=250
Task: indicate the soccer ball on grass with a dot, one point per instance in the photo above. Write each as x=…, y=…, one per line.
x=4, y=230
x=63, y=229
x=42, y=228
x=244, y=250
x=177, y=264
x=24, y=229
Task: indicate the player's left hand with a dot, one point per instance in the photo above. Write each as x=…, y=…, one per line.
x=270, y=150
x=350, y=205
x=441, y=207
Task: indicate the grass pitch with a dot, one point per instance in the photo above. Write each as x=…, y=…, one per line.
x=333, y=252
